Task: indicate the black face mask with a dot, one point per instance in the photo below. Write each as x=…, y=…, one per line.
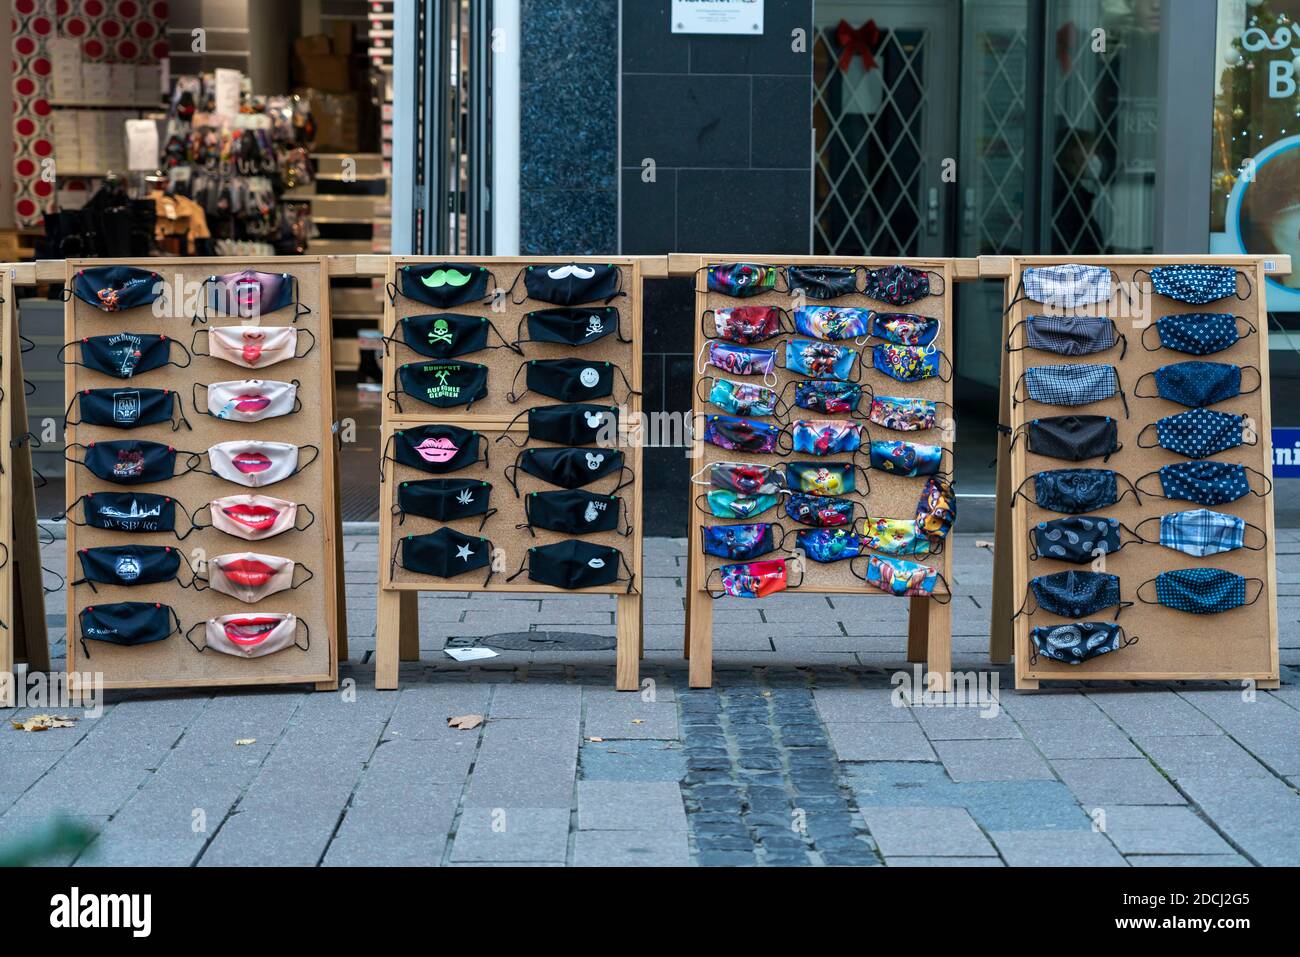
x=448, y=334
x=572, y=512
x=567, y=468
x=127, y=512
x=126, y=408
x=569, y=380
x=132, y=463
x=441, y=384
x=822, y=282
x=116, y=288
x=571, y=284
x=1075, y=594
x=1078, y=539
x=444, y=500
x=445, y=553
x=128, y=565
x=127, y=623
x=1074, y=491
x=126, y=354
x=579, y=424
x=1072, y=437
x=436, y=448
x=570, y=327
x=573, y=563
x=442, y=284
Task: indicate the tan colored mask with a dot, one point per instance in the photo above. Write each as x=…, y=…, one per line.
x=250, y=577
x=255, y=517
x=253, y=347
x=251, y=635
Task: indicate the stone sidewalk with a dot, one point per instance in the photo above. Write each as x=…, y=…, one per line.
x=798, y=756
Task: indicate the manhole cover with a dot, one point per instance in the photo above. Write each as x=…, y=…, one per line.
x=535, y=641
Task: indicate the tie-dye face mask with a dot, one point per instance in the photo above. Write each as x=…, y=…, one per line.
x=902, y=414
x=831, y=323
x=906, y=458
x=820, y=360
x=825, y=437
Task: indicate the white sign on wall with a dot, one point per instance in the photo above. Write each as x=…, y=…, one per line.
x=743, y=17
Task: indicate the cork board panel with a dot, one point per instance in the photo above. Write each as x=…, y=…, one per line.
x=8, y=608
x=506, y=316
x=891, y=496
x=174, y=662
x=1241, y=643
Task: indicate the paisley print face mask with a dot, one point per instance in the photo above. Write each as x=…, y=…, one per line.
x=1078, y=641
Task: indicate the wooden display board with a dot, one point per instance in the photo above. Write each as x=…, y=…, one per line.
x=930, y=622
x=398, y=624
x=319, y=603
x=1241, y=643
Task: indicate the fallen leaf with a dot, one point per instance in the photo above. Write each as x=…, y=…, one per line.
x=44, y=722
x=465, y=722
x=596, y=740
x=243, y=741
x=637, y=721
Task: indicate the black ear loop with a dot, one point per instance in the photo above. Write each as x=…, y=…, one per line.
x=1250, y=287
x=300, y=308
x=1033, y=654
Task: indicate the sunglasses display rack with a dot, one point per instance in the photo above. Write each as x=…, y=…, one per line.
x=483, y=441
x=206, y=619
x=22, y=599
x=1234, y=634
x=891, y=495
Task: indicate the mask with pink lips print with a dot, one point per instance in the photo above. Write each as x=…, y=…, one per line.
x=436, y=448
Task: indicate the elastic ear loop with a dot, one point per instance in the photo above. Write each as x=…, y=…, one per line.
x=1123, y=340
x=1259, y=383
x=510, y=396
x=1142, y=336
x=631, y=575
x=302, y=466
x=1268, y=482
x=1250, y=287
x=189, y=631
x=630, y=391
x=385, y=457
x=510, y=293
x=189, y=359
x=1263, y=534
x=505, y=436
x=24, y=344
x=511, y=472
x=1017, y=295
x=300, y=308
x=937, y=275
x=1250, y=326
x=1024, y=608
x=391, y=289
x=203, y=302
x=310, y=575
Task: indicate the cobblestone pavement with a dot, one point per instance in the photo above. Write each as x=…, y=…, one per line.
x=797, y=756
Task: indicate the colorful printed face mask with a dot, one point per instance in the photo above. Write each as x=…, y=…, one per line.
x=906, y=458
x=739, y=542
x=569, y=380
x=436, y=448
x=903, y=579
x=725, y=503
x=1195, y=284
x=442, y=285
x=827, y=397
x=257, y=464
x=1074, y=594
x=127, y=623
x=827, y=545
x=572, y=512
x=571, y=284
x=571, y=327
x=743, y=435
x=908, y=363
x=1070, y=384
x=250, y=577
x=574, y=563
x=745, y=325
x=1197, y=433
x=250, y=294
x=1072, y=437
x=1200, y=591
x=445, y=553
x=740, y=280
x=130, y=462
x=134, y=512
x=1077, y=539
x=117, y=288
x=575, y=424
x=819, y=511
x=753, y=579
x=894, y=536
x=1197, y=333
x=443, y=384
x=816, y=437
x=816, y=478
x=251, y=636
x=126, y=408
x=904, y=328
x=936, y=509
x=902, y=414
x=256, y=518
x=1078, y=641
x=125, y=354
x=1066, y=286
x=446, y=335
x=1069, y=335
x=831, y=323
x=253, y=347
x=567, y=468
x=443, y=500
x=1199, y=532
x=898, y=285
x=1074, y=491
x=128, y=565
x=1205, y=483
x=821, y=282
x=249, y=400
x=740, y=360
x=819, y=360
x=1197, y=384
x=743, y=477
x=741, y=398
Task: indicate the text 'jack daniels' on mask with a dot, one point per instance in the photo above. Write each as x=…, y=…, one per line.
x=568, y=380
x=131, y=462
x=441, y=383
x=248, y=400
x=127, y=623
x=438, y=449
x=251, y=635
x=133, y=512
x=130, y=565
x=125, y=354
x=116, y=288
x=126, y=408
x=253, y=347
x=573, y=564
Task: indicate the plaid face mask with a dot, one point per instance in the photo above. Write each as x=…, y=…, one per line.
x=1197, y=434
x=1196, y=384
x=1199, y=591
x=1066, y=286
x=1200, y=531
x=1078, y=641
x=1068, y=335
x=831, y=323
x=1197, y=285
x=1070, y=384
x=1197, y=333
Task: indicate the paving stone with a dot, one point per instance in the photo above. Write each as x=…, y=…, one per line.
x=1179, y=860
x=925, y=832
x=1101, y=781
x=964, y=724
x=1080, y=739
x=1203, y=756
x=1161, y=830
x=632, y=761
x=944, y=862
x=879, y=741
x=630, y=848
x=998, y=760
x=512, y=834
x=1153, y=712
x=1056, y=849
x=630, y=806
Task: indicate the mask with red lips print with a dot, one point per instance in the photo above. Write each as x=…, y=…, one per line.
x=253, y=347
x=438, y=449
x=255, y=517
x=251, y=636
x=250, y=576
x=249, y=400
x=257, y=464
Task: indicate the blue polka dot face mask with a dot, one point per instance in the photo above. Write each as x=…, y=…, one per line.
x=1196, y=384
x=1197, y=333
x=1200, y=591
x=1073, y=594
x=1205, y=483
x=1078, y=641
x=1197, y=285
x=1198, y=433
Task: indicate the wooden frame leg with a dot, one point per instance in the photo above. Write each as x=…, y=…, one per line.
x=408, y=638
x=628, y=643
x=686, y=601
x=388, y=630
x=700, y=638
x=918, y=626
x=939, y=645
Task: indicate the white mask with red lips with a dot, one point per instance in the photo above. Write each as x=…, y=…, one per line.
x=254, y=464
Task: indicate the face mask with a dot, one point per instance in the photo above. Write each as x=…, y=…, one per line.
x=745, y=325
x=831, y=323
x=906, y=458
x=569, y=380
x=1074, y=491
x=250, y=294
x=1071, y=384
x=1066, y=286
x=1074, y=594
x=436, y=448
x=1075, y=643
x=822, y=282
x=250, y=400
x=573, y=283
x=739, y=542
x=1069, y=335
x=741, y=398
x=127, y=623
x=1072, y=437
x=908, y=363
x=1197, y=333
x=733, y=434
x=251, y=636
x=904, y=328
x=752, y=579
x=1199, y=532
x=125, y=354
x=819, y=360
x=724, y=503
x=897, y=285
x=819, y=511
x=894, y=536
x=442, y=285
x=445, y=553
x=446, y=335
x=829, y=544
x=827, y=397
x=125, y=408
x=126, y=512
x=818, y=479
x=740, y=280
x=443, y=500
x=1197, y=433
x=572, y=564
x=578, y=424
x=903, y=579
x=128, y=565
x=825, y=437
x=742, y=477
x=936, y=510
x=116, y=288
x=1078, y=539
x=1195, y=284
x=257, y=464
x=253, y=347
x=1200, y=591
x=571, y=327
x=250, y=577
x=902, y=414
x=739, y=360
x=256, y=517
x=567, y=468
x=572, y=512
x=1205, y=483
x=441, y=384
x=1196, y=384
x=132, y=463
